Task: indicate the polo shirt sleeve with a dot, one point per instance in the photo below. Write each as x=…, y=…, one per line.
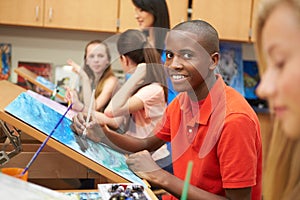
x=238, y=151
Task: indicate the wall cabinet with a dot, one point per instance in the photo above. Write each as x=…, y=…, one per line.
x=177, y=12
x=94, y=15
x=253, y=22
x=19, y=12
x=231, y=18
x=234, y=19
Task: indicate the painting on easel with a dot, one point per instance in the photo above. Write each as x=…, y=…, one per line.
x=37, y=114
x=42, y=70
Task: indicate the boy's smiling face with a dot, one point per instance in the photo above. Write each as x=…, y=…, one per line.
x=187, y=61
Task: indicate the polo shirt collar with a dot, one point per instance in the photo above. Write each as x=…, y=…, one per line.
x=208, y=106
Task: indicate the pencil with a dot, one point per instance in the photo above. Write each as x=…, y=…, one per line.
x=187, y=181
x=89, y=112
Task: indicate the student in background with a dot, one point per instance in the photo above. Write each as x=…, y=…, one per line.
x=208, y=123
x=153, y=18
x=278, y=51
x=151, y=14
x=142, y=99
x=96, y=73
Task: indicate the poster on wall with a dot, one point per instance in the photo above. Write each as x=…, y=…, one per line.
x=231, y=65
x=65, y=77
x=251, y=81
x=5, y=64
x=40, y=69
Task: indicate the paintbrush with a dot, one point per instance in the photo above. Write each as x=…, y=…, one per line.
x=89, y=113
x=44, y=143
x=187, y=181
x=81, y=140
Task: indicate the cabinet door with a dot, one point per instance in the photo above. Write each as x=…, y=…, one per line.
x=231, y=18
x=177, y=12
x=253, y=24
x=127, y=16
x=20, y=12
x=94, y=15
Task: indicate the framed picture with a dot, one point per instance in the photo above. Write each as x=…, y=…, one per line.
x=65, y=77
x=251, y=81
x=231, y=65
x=5, y=64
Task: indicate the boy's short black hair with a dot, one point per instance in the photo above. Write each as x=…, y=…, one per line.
x=207, y=34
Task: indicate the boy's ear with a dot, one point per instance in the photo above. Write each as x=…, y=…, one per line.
x=215, y=58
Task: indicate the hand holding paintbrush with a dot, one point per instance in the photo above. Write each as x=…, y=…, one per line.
x=89, y=113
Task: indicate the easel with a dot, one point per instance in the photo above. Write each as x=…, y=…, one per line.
x=31, y=77
x=25, y=140
x=56, y=160
x=9, y=92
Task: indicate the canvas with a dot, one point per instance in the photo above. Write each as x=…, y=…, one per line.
x=251, y=81
x=231, y=65
x=5, y=64
x=65, y=77
x=43, y=70
x=42, y=117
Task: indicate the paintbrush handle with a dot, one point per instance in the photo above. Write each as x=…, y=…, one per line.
x=187, y=181
x=89, y=113
x=90, y=107
x=44, y=143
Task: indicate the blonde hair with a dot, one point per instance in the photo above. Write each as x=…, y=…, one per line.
x=282, y=167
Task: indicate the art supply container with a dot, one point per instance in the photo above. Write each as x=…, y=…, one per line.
x=15, y=172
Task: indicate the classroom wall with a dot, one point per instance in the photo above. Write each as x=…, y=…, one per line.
x=49, y=45
x=56, y=46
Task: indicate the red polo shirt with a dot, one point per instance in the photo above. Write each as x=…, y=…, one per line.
x=221, y=135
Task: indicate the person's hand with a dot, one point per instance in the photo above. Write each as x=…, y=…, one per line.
x=75, y=67
x=78, y=123
x=72, y=96
x=142, y=164
x=93, y=129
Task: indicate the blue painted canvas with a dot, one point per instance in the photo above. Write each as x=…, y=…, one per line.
x=251, y=79
x=50, y=85
x=231, y=65
x=40, y=116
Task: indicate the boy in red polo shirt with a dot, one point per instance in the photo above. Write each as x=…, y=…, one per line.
x=208, y=123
